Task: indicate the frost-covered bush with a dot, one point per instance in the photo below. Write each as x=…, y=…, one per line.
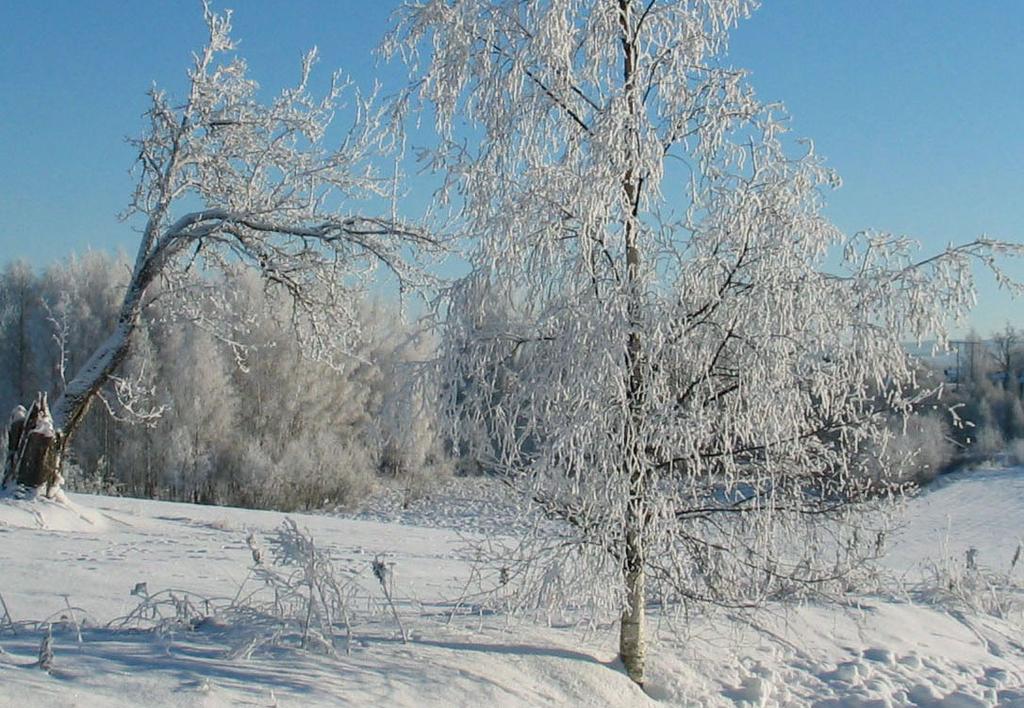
x=991, y=410
x=976, y=583
x=293, y=596
x=989, y=442
x=1016, y=452
x=915, y=450
x=310, y=472
x=302, y=590
x=296, y=595
x=96, y=481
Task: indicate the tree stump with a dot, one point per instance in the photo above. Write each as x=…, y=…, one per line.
x=33, y=447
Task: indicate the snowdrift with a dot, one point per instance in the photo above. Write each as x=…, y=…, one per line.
x=51, y=514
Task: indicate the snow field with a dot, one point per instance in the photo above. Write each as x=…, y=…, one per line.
x=90, y=552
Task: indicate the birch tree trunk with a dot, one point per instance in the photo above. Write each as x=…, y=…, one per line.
x=631, y=630
x=632, y=642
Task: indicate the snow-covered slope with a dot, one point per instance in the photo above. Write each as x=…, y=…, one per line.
x=981, y=509
x=90, y=552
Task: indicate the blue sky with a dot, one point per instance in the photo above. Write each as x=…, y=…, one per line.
x=916, y=103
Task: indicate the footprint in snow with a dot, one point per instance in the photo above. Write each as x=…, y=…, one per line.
x=880, y=655
x=995, y=677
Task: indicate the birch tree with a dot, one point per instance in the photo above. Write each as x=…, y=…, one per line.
x=228, y=179
x=680, y=382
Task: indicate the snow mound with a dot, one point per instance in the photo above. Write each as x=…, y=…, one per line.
x=49, y=514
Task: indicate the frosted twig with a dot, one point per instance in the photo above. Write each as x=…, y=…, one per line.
x=385, y=573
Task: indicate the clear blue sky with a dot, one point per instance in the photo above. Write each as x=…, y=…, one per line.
x=917, y=103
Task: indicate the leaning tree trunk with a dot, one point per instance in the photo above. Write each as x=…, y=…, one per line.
x=37, y=441
x=34, y=448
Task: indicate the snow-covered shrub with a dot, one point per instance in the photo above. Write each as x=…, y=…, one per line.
x=302, y=592
x=317, y=472
x=294, y=595
x=1016, y=452
x=975, y=583
x=989, y=442
x=164, y=610
x=915, y=450
x=993, y=415
x=99, y=480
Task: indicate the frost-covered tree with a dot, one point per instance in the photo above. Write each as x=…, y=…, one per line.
x=681, y=381
x=78, y=301
x=18, y=301
x=229, y=179
x=203, y=416
x=309, y=432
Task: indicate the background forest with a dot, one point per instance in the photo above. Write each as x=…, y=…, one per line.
x=304, y=435
x=243, y=421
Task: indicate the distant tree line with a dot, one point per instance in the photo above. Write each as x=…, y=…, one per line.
x=235, y=416
x=970, y=411
x=987, y=385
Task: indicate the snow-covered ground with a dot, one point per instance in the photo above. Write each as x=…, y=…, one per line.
x=90, y=553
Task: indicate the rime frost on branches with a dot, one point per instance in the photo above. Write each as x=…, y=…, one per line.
x=651, y=345
x=306, y=588
x=228, y=180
